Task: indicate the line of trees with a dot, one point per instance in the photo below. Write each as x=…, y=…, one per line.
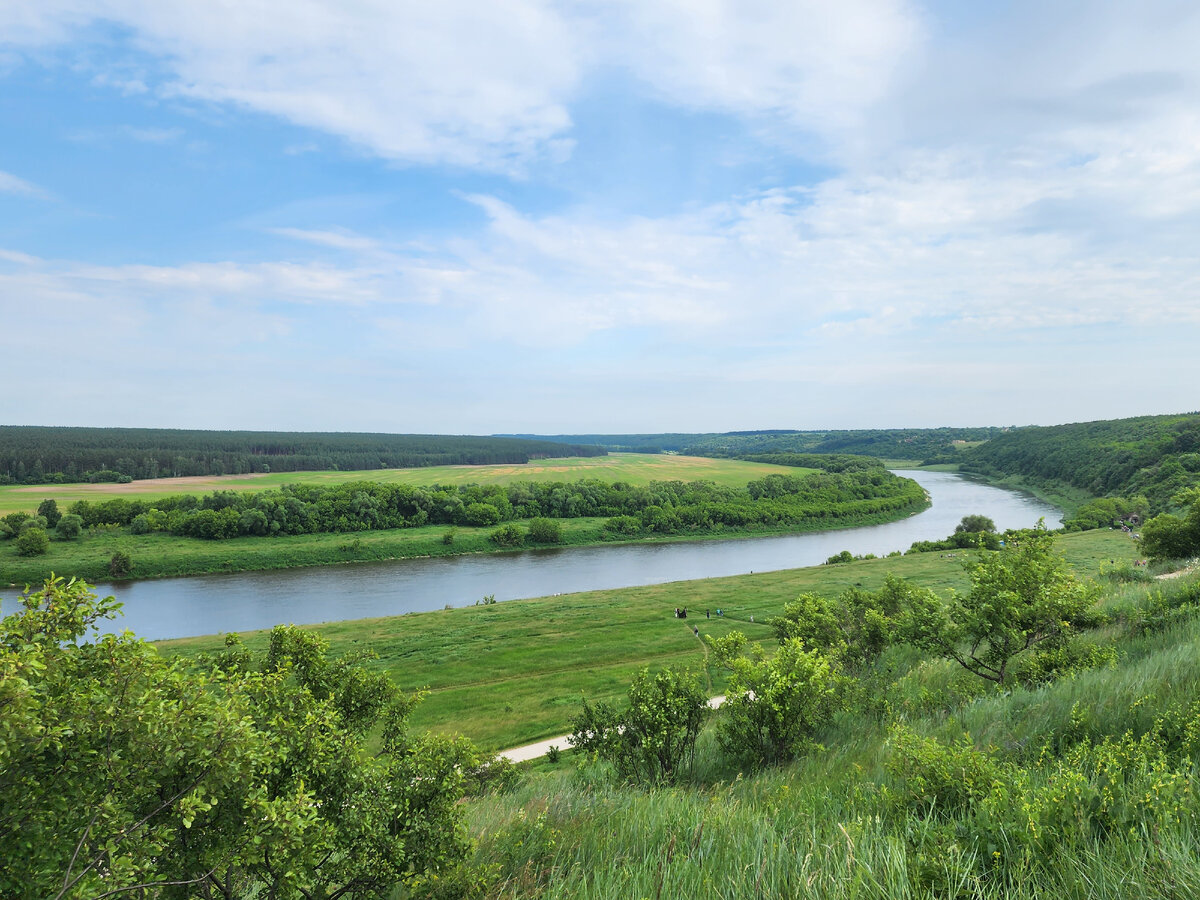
x=39, y=455
x=659, y=507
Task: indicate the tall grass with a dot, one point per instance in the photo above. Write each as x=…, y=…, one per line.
x=1092, y=795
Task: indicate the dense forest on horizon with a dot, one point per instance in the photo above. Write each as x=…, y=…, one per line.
x=882, y=443
x=48, y=455
x=1154, y=457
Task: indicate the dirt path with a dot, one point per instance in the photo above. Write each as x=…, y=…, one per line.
x=541, y=748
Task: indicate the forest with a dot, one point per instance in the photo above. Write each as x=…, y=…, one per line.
x=894, y=443
x=42, y=455
x=1150, y=456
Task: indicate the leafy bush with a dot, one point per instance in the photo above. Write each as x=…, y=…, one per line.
x=32, y=542
x=545, y=531
x=654, y=739
x=507, y=536
x=120, y=565
x=775, y=707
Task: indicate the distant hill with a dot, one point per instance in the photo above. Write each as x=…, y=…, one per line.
x=1152, y=456
x=899, y=443
x=39, y=455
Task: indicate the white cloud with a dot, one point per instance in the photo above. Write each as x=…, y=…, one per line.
x=11, y=184
x=489, y=85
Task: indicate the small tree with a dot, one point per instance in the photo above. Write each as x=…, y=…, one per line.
x=654, y=739
x=32, y=542
x=1022, y=597
x=125, y=773
x=1174, y=537
x=49, y=510
x=974, y=524
x=69, y=527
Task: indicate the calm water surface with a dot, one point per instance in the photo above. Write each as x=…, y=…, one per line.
x=207, y=604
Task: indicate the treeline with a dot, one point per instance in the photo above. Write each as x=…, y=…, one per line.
x=817, y=500
x=41, y=455
x=828, y=462
x=1153, y=457
x=896, y=443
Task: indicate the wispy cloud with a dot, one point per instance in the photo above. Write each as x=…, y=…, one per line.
x=11, y=184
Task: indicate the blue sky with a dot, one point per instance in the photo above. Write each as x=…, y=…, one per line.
x=652, y=215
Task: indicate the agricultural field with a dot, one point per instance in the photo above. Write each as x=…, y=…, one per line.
x=511, y=673
x=633, y=468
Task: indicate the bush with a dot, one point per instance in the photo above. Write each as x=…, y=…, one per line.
x=32, y=542
x=120, y=565
x=507, y=536
x=33, y=522
x=775, y=707
x=623, y=525
x=654, y=739
x=48, y=509
x=545, y=531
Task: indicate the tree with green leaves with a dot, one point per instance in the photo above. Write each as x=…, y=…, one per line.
x=1022, y=597
x=126, y=773
x=1169, y=536
x=49, y=510
x=653, y=740
x=69, y=527
x=974, y=524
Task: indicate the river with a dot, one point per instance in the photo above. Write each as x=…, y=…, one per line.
x=207, y=604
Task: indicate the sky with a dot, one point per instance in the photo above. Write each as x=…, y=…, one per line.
x=628, y=216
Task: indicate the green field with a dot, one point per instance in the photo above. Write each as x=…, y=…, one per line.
x=633, y=468
x=512, y=673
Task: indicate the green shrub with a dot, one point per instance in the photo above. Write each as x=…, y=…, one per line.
x=545, y=531
x=120, y=565
x=507, y=536
x=948, y=778
x=775, y=707
x=32, y=542
x=654, y=739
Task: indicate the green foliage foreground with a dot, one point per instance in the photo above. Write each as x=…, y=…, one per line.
x=125, y=773
x=935, y=783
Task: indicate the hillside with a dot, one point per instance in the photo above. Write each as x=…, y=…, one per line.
x=1152, y=456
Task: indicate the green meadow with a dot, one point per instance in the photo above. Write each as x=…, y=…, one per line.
x=633, y=468
x=511, y=673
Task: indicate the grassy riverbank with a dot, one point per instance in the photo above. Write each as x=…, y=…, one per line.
x=509, y=673
x=161, y=555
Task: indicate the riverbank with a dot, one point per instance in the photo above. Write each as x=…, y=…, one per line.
x=508, y=674
x=160, y=555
